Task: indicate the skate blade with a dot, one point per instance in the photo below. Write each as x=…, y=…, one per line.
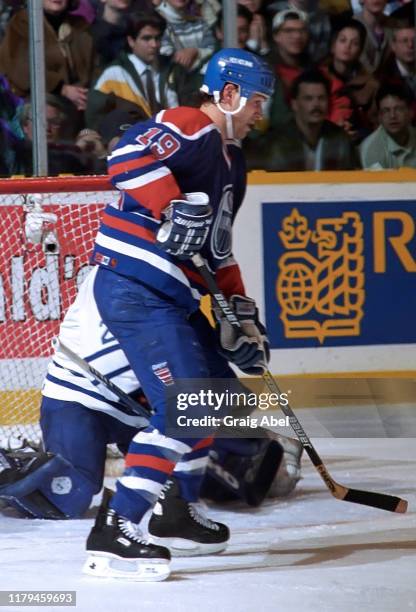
x=128, y=569
x=180, y=547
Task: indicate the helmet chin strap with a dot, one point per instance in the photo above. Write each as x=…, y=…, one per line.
x=229, y=126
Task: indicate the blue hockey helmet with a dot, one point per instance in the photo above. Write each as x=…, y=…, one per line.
x=242, y=68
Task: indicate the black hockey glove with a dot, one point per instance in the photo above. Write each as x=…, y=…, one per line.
x=187, y=225
x=248, y=349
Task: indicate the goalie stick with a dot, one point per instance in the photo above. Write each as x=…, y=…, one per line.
x=356, y=496
x=129, y=402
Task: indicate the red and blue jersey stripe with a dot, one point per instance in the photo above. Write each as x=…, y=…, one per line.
x=176, y=152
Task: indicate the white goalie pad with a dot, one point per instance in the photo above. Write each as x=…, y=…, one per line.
x=289, y=472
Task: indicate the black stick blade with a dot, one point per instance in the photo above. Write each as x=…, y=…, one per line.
x=376, y=500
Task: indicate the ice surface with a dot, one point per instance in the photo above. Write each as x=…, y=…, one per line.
x=306, y=553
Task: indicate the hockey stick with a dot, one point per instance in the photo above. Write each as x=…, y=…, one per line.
x=356, y=496
x=130, y=403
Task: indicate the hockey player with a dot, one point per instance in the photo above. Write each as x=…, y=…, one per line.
x=182, y=180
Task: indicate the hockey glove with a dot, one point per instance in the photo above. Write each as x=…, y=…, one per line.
x=187, y=225
x=249, y=348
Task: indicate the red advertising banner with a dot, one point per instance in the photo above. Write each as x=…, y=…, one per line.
x=39, y=281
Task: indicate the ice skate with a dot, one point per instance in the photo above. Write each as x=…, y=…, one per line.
x=116, y=550
x=183, y=528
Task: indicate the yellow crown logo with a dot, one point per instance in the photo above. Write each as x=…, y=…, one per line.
x=296, y=233
x=320, y=289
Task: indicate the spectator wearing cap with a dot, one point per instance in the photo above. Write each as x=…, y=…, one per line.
x=319, y=25
x=141, y=80
x=350, y=79
x=69, y=53
x=290, y=34
x=309, y=141
x=379, y=27
x=109, y=30
x=289, y=58
x=393, y=143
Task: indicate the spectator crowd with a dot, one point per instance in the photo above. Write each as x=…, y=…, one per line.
x=345, y=95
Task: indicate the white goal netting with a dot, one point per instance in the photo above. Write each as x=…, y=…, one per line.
x=43, y=260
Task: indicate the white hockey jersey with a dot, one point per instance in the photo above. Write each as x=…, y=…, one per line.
x=86, y=335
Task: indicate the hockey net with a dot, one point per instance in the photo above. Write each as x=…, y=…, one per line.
x=38, y=281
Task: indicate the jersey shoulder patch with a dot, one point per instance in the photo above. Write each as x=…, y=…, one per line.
x=190, y=123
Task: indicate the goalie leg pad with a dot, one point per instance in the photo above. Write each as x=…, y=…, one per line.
x=289, y=472
x=43, y=485
x=247, y=474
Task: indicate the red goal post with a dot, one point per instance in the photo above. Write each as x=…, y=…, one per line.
x=38, y=281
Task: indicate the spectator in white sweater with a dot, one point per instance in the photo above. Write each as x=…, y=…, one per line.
x=188, y=40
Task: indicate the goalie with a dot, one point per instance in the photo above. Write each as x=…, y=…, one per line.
x=80, y=417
